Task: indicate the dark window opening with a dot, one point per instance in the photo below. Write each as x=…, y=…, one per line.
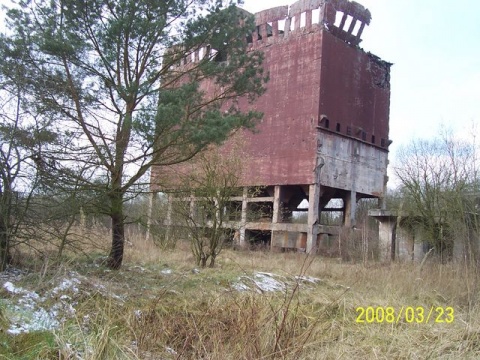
x=373, y=139
x=349, y=130
x=233, y=211
x=260, y=191
x=220, y=56
x=260, y=212
x=382, y=143
x=258, y=239
x=338, y=127
x=327, y=123
x=269, y=29
x=259, y=36
x=364, y=136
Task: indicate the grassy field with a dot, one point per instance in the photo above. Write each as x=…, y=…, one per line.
x=253, y=305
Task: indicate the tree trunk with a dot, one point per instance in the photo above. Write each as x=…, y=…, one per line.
x=118, y=232
x=4, y=248
x=5, y=258
x=116, y=197
x=212, y=262
x=203, y=261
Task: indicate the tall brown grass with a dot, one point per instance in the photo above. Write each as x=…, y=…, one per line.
x=199, y=315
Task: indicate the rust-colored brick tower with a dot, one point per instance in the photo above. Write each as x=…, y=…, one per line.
x=324, y=133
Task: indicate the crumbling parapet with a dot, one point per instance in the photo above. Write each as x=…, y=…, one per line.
x=267, y=21
x=268, y=27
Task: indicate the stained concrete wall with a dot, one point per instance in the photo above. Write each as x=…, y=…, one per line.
x=350, y=164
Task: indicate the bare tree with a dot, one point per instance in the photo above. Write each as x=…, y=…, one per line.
x=21, y=140
x=440, y=184
x=204, y=199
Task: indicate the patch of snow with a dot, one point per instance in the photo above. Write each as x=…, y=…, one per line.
x=23, y=321
x=26, y=313
x=67, y=284
x=170, y=350
x=102, y=289
x=266, y=282
x=11, y=288
x=309, y=279
x=167, y=271
x=240, y=286
x=120, y=298
x=263, y=282
x=12, y=274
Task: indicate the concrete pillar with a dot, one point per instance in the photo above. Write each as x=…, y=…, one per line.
x=459, y=248
x=350, y=208
x=192, y=206
x=151, y=203
x=313, y=217
x=288, y=23
x=276, y=205
x=308, y=19
x=386, y=238
x=418, y=250
x=168, y=220
x=276, y=216
x=243, y=220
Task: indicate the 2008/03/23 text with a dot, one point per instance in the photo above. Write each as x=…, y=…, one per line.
x=408, y=314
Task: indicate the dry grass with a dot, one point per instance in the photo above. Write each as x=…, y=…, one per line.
x=190, y=315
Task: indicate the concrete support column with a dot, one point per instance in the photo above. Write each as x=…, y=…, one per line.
x=151, y=203
x=276, y=205
x=386, y=238
x=460, y=248
x=243, y=219
x=276, y=216
x=381, y=203
x=313, y=217
x=350, y=208
x=192, y=206
x=168, y=220
x=288, y=23
x=308, y=19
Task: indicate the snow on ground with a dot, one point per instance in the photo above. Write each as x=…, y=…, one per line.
x=268, y=282
x=28, y=311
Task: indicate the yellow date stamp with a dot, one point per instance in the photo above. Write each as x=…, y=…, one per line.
x=406, y=314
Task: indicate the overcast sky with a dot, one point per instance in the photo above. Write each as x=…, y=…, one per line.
x=435, y=48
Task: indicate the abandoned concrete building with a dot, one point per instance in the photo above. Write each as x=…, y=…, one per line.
x=325, y=128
